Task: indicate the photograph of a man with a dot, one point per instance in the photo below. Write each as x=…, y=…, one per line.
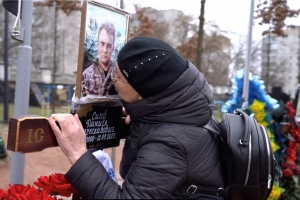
x=96, y=78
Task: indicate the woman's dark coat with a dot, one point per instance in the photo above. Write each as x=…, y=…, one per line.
x=165, y=151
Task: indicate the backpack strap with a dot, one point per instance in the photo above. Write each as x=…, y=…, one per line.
x=214, y=191
x=211, y=129
x=214, y=128
x=245, y=141
x=211, y=126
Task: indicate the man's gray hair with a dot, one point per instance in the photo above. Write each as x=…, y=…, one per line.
x=109, y=28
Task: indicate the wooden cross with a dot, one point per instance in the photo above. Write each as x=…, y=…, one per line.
x=104, y=127
x=29, y=134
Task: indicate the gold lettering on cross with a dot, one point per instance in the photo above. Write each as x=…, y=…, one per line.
x=37, y=135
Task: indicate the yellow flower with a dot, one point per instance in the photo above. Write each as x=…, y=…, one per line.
x=260, y=116
x=263, y=123
x=276, y=192
x=275, y=146
x=257, y=106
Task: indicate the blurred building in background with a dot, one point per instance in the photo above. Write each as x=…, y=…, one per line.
x=281, y=61
x=55, y=41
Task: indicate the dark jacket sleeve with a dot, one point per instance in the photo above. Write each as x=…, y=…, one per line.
x=148, y=178
x=160, y=169
x=90, y=178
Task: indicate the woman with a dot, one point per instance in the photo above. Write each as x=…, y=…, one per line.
x=167, y=153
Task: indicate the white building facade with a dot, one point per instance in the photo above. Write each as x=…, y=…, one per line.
x=281, y=67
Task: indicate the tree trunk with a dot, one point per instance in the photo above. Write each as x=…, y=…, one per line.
x=122, y=4
x=268, y=62
x=299, y=55
x=200, y=35
x=54, y=69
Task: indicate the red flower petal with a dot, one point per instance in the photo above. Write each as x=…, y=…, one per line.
x=3, y=194
x=18, y=189
x=287, y=173
x=44, y=180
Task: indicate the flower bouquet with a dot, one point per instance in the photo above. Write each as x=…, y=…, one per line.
x=48, y=188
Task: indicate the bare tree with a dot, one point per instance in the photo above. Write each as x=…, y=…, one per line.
x=173, y=26
x=170, y=25
x=238, y=57
x=67, y=6
x=216, y=46
x=142, y=24
x=184, y=27
x=215, y=56
x=274, y=13
x=200, y=36
x=13, y=44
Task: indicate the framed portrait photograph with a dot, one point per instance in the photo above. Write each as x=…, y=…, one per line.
x=103, y=32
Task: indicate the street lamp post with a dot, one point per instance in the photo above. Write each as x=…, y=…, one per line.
x=6, y=88
x=245, y=95
x=21, y=103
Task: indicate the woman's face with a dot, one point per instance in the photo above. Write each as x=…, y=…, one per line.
x=124, y=89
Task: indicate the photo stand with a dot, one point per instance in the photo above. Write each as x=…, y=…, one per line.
x=101, y=115
x=99, y=110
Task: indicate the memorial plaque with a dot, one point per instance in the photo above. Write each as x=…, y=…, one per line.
x=102, y=123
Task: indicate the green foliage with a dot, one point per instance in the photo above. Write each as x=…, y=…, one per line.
x=90, y=45
x=3, y=154
x=291, y=186
x=118, y=45
x=33, y=110
x=217, y=114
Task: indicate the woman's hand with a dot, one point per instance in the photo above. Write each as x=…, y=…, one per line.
x=127, y=117
x=69, y=134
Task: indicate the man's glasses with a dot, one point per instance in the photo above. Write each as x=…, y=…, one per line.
x=113, y=76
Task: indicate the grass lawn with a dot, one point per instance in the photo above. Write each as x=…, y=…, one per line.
x=45, y=111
